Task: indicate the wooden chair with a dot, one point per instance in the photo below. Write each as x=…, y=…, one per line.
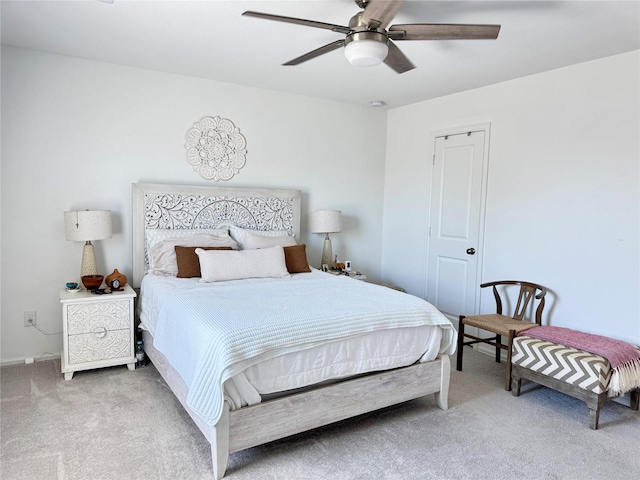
x=502, y=325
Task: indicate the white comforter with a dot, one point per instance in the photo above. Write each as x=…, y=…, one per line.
x=211, y=334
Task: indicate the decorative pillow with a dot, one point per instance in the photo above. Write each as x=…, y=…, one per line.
x=153, y=236
x=236, y=265
x=162, y=256
x=238, y=234
x=188, y=261
x=295, y=258
x=252, y=241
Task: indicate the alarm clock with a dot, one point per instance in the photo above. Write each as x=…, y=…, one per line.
x=116, y=281
x=115, y=284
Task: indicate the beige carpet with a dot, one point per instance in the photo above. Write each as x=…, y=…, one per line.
x=116, y=424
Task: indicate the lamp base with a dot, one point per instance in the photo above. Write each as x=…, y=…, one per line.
x=327, y=253
x=88, y=266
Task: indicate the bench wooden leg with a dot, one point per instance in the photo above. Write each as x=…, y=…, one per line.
x=594, y=417
x=516, y=382
x=635, y=400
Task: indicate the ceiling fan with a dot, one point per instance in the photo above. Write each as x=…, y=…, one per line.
x=368, y=42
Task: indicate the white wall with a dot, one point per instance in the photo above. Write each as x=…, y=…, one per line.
x=563, y=197
x=563, y=200
x=76, y=134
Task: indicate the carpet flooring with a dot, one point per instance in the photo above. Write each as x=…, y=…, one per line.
x=116, y=424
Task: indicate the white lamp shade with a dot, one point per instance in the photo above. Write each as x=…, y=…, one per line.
x=87, y=225
x=366, y=53
x=325, y=221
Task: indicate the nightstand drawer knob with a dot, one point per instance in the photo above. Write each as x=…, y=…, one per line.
x=100, y=332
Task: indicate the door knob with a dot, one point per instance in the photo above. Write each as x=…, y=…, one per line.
x=471, y=251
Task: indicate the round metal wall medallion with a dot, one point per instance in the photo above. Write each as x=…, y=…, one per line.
x=215, y=148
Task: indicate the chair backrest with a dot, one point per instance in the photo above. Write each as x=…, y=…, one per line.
x=528, y=291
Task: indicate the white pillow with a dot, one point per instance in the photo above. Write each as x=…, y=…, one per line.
x=252, y=241
x=162, y=256
x=238, y=234
x=153, y=236
x=220, y=265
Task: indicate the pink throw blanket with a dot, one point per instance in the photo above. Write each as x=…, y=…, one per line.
x=623, y=357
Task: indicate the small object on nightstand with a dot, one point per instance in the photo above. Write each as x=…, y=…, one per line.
x=92, y=282
x=116, y=280
x=101, y=291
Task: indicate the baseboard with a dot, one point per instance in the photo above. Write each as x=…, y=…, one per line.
x=491, y=351
x=22, y=360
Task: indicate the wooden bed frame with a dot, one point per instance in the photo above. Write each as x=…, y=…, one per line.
x=189, y=207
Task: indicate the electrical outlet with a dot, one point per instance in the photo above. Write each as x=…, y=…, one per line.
x=30, y=318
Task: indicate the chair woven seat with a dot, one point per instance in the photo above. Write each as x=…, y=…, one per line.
x=500, y=324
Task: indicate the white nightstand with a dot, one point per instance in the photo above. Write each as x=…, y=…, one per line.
x=97, y=330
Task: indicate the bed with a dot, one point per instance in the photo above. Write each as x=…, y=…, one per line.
x=256, y=353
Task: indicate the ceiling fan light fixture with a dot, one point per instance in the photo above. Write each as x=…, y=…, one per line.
x=366, y=53
x=370, y=39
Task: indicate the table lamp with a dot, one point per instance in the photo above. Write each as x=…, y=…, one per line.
x=326, y=221
x=85, y=226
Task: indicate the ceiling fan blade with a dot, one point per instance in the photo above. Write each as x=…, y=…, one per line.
x=434, y=31
x=316, y=53
x=397, y=60
x=298, y=21
x=379, y=13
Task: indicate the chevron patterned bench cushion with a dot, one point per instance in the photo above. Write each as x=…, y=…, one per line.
x=575, y=367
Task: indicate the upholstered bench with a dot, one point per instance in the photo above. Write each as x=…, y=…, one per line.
x=569, y=370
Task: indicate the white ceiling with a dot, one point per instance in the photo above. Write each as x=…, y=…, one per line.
x=210, y=39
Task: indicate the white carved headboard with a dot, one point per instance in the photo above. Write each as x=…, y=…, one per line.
x=180, y=207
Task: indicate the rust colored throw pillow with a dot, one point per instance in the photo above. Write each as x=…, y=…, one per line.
x=295, y=257
x=188, y=261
